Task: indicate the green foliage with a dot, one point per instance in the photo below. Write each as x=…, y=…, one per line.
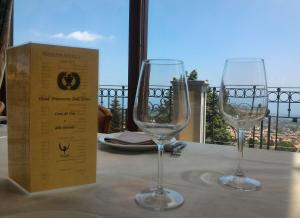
x=192, y=76
x=163, y=113
x=285, y=146
x=116, y=121
x=216, y=128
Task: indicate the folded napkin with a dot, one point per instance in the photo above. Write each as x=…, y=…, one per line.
x=176, y=146
x=140, y=138
x=131, y=138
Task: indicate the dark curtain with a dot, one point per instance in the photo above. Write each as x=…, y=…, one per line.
x=6, y=9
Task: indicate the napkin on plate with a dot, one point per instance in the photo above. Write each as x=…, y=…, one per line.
x=131, y=138
x=140, y=138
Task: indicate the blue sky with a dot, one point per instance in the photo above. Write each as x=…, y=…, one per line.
x=201, y=33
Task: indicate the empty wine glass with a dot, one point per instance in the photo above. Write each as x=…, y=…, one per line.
x=161, y=110
x=243, y=104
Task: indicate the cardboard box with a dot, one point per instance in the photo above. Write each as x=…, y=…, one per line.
x=52, y=115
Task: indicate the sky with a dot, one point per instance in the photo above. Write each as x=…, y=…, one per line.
x=201, y=33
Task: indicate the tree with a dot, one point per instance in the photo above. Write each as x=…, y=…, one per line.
x=116, y=121
x=216, y=128
x=193, y=75
x=163, y=113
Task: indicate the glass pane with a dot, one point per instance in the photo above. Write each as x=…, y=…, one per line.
x=100, y=24
x=205, y=33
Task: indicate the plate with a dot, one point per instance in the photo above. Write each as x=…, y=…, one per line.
x=2, y=118
x=136, y=147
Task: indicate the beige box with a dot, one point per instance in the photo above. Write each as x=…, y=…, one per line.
x=52, y=115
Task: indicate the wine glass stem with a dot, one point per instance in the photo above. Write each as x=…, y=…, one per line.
x=241, y=142
x=160, y=170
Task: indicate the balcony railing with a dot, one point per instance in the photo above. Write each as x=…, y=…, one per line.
x=280, y=127
x=278, y=130
x=108, y=93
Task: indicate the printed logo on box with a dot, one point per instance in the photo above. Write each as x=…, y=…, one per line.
x=68, y=80
x=64, y=149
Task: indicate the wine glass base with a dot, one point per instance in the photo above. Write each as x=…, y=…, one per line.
x=240, y=183
x=151, y=199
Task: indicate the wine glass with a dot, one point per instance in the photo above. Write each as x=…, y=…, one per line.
x=243, y=104
x=161, y=110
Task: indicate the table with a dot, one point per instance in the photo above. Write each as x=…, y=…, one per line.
x=120, y=175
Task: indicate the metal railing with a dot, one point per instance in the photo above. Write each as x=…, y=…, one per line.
x=107, y=93
x=279, y=126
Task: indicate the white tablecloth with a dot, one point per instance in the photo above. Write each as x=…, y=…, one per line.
x=120, y=175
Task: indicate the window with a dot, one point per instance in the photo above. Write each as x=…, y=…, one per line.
x=205, y=33
x=100, y=24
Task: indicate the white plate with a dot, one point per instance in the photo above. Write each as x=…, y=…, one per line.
x=2, y=118
x=101, y=137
